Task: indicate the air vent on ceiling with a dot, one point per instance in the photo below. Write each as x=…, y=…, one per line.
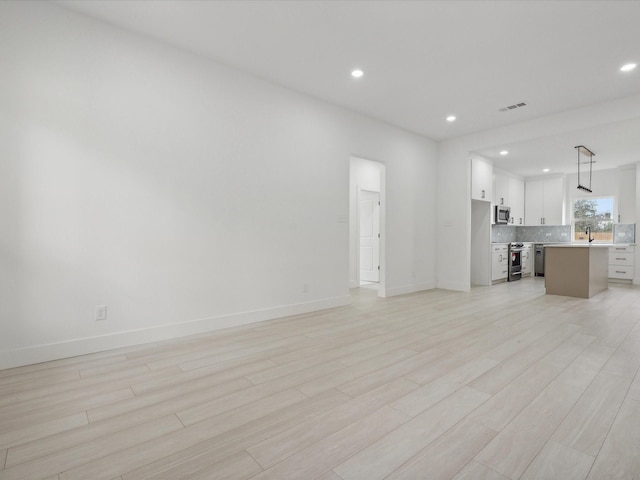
x=513, y=107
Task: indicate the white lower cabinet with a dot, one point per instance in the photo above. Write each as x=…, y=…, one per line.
x=499, y=261
x=621, y=262
x=527, y=260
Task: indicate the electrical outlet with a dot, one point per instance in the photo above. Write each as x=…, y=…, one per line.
x=101, y=313
x=305, y=287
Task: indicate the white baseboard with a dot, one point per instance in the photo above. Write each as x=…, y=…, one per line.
x=456, y=286
x=82, y=346
x=392, y=292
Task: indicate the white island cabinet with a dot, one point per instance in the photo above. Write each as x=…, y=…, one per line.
x=576, y=270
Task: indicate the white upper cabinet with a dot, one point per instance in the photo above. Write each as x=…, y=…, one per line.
x=516, y=200
x=501, y=189
x=481, y=179
x=534, y=210
x=627, y=194
x=509, y=191
x=544, y=201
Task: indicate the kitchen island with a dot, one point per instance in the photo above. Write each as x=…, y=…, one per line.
x=576, y=270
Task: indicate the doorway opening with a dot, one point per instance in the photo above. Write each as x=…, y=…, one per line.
x=369, y=236
x=366, y=225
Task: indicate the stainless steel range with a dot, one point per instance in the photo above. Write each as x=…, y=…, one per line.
x=515, y=261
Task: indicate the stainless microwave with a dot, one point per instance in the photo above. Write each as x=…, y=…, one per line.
x=503, y=214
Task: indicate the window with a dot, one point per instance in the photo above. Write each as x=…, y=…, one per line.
x=596, y=213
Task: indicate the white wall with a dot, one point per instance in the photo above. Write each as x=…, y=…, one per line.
x=604, y=183
x=182, y=194
x=481, y=255
x=636, y=276
x=619, y=183
x=454, y=216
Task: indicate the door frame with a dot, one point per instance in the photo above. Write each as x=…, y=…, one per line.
x=354, y=243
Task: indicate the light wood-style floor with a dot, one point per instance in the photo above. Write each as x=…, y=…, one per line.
x=502, y=382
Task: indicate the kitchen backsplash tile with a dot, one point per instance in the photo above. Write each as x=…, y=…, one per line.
x=543, y=233
x=503, y=234
x=547, y=234
x=624, y=233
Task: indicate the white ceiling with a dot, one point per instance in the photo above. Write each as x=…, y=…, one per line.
x=614, y=144
x=424, y=60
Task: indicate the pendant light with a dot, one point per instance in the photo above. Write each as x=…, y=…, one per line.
x=584, y=156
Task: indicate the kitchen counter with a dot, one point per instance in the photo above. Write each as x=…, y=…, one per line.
x=576, y=270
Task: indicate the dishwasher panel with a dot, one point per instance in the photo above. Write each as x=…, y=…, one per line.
x=539, y=260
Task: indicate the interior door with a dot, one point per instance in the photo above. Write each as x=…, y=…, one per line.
x=369, y=214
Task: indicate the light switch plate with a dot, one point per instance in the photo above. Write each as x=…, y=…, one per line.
x=101, y=313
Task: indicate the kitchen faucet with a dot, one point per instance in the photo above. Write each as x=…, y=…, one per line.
x=588, y=232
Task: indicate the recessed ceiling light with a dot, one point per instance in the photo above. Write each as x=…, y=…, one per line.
x=628, y=67
x=504, y=152
x=357, y=73
x=545, y=170
x=451, y=118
